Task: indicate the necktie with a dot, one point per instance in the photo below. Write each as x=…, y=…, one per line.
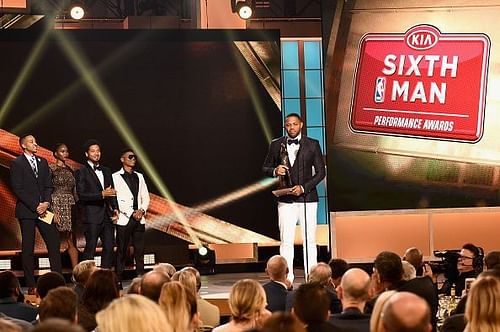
x=293, y=141
x=33, y=165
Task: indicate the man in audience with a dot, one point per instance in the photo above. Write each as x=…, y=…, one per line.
x=353, y=293
x=48, y=281
x=151, y=284
x=406, y=311
x=166, y=268
x=415, y=257
x=60, y=302
x=320, y=274
x=9, y=293
x=277, y=288
x=409, y=271
x=492, y=260
x=469, y=265
x=57, y=325
x=14, y=323
x=81, y=273
x=310, y=306
x=338, y=267
x=388, y=275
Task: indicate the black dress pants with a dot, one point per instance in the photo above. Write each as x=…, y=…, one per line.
x=134, y=231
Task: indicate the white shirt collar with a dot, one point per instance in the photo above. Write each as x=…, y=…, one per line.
x=91, y=164
x=29, y=157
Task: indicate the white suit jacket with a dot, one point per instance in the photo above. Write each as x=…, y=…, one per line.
x=126, y=199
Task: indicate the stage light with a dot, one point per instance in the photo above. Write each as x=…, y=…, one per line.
x=43, y=263
x=149, y=259
x=204, y=260
x=5, y=264
x=97, y=260
x=77, y=12
x=244, y=8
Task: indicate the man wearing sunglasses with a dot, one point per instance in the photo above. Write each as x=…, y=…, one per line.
x=133, y=201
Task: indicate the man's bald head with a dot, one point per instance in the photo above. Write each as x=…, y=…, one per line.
x=406, y=312
x=277, y=268
x=152, y=283
x=320, y=273
x=355, y=285
x=414, y=256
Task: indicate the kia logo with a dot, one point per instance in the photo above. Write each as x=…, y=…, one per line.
x=421, y=39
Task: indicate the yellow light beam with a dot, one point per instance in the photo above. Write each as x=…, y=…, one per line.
x=116, y=118
x=24, y=75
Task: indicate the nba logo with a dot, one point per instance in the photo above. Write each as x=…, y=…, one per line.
x=380, y=89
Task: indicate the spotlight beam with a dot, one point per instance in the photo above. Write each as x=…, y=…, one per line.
x=102, y=96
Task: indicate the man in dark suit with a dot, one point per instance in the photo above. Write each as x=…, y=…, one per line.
x=277, y=288
x=353, y=292
x=94, y=185
x=32, y=184
x=301, y=202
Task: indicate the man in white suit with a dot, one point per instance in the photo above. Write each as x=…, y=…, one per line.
x=133, y=201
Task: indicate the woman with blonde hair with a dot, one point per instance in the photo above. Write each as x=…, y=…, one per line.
x=247, y=303
x=132, y=313
x=376, y=317
x=179, y=307
x=482, y=310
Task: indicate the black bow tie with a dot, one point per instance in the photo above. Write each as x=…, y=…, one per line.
x=97, y=168
x=293, y=141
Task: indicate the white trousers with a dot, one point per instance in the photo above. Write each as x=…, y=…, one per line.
x=288, y=215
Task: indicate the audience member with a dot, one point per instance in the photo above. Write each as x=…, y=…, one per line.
x=187, y=279
x=247, y=303
x=482, y=310
x=406, y=312
x=492, y=260
x=132, y=313
x=60, y=302
x=283, y=322
x=100, y=290
x=353, y=293
x=311, y=305
x=415, y=257
x=48, y=281
x=10, y=290
x=81, y=273
x=209, y=313
x=135, y=286
x=151, y=284
x=166, y=268
x=376, y=316
x=409, y=271
x=57, y=325
x=18, y=323
x=8, y=326
x=277, y=287
x=179, y=305
x=468, y=266
x=338, y=267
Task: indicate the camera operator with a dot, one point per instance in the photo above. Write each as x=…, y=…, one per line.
x=469, y=265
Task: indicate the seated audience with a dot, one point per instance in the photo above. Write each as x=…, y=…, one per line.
x=60, y=302
x=338, y=267
x=283, y=322
x=405, y=312
x=48, y=281
x=57, y=325
x=135, y=286
x=376, y=316
x=8, y=326
x=247, y=303
x=468, y=266
x=81, y=273
x=209, y=313
x=20, y=324
x=353, y=293
x=166, y=268
x=151, y=284
x=482, y=311
x=415, y=257
x=10, y=291
x=132, y=313
x=100, y=290
x=311, y=305
x=277, y=287
x=408, y=271
x=492, y=260
x=179, y=306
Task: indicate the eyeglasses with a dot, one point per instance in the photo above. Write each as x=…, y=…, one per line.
x=132, y=156
x=465, y=257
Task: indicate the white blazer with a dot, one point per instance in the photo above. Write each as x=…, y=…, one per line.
x=126, y=199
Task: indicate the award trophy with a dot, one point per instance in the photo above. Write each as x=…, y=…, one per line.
x=284, y=181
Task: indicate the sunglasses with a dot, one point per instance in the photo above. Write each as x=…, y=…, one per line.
x=132, y=156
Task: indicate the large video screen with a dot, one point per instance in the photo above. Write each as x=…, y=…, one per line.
x=413, y=122
x=191, y=100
